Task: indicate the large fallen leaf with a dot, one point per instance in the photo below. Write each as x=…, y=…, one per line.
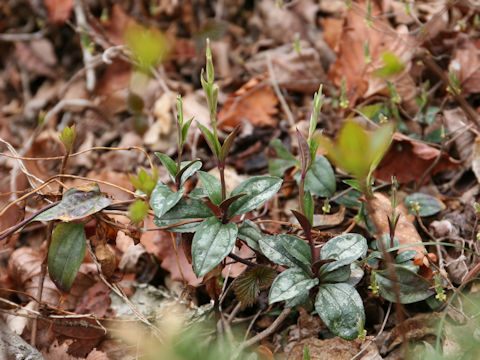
x=254, y=102
x=362, y=78
x=380, y=208
x=24, y=270
x=466, y=65
x=409, y=159
x=293, y=71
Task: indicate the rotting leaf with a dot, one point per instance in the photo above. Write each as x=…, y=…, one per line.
x=66, y=254
x=76, y=203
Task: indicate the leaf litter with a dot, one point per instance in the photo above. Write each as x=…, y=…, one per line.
x=368, y=53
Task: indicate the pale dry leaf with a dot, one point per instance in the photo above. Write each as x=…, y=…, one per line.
x=476, y=158
x=59, y=10
x=24, y=270
x=254, y=102
x=456, y=122
x=360, y=77
x=333, y=349
x=380, y=209
x=466, y=65
x=281, y=23
x=293, y=71
x=37, y=56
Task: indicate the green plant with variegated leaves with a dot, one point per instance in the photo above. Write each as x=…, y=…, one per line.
x=214, y=236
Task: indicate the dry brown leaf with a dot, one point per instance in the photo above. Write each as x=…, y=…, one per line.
x=296, y=72
x=116, y=25
x=95, y=301
x=361, y=80
x=37, y=57
x=380, y=209
x=466, y=65
x=408, y=160
x=456, y=122
x=255, y=102
x=59, y=10
x=24, y=270
x=332, y=32
x=332, y=349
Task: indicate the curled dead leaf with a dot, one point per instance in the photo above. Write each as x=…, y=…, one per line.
x=255, y=102
x=408, y=160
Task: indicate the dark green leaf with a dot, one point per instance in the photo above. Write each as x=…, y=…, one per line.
x=168, y=163
x=186, y=209
x=296, y=247
x=188, y=168
x=198, y=193
x=210, y=138
x=272, y=248
x=212, y=186
x=247, y=286
x=301, y=299
x=356, y=274
x=76, y=204
x=350, y=199
x=309, y=206
x=258, y=189
x=289, y=284
x=227, y=144
x=66, y=254
x=211, y=243
x=345, y=249
x=429, y=205
x=412, y=287
x=341, y=309
x=338, y=275
x=251, y=234
x=405, y=256
x=163, y=199
x=185, y=128
x=282, y=151
x=320, y=179
x=386, y=241
x=277, y=167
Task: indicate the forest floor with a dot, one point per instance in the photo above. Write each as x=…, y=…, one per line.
x=114, y=70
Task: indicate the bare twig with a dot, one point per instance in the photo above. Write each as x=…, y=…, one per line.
x=268, y=331
x=88, y=57
x=283, y=103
